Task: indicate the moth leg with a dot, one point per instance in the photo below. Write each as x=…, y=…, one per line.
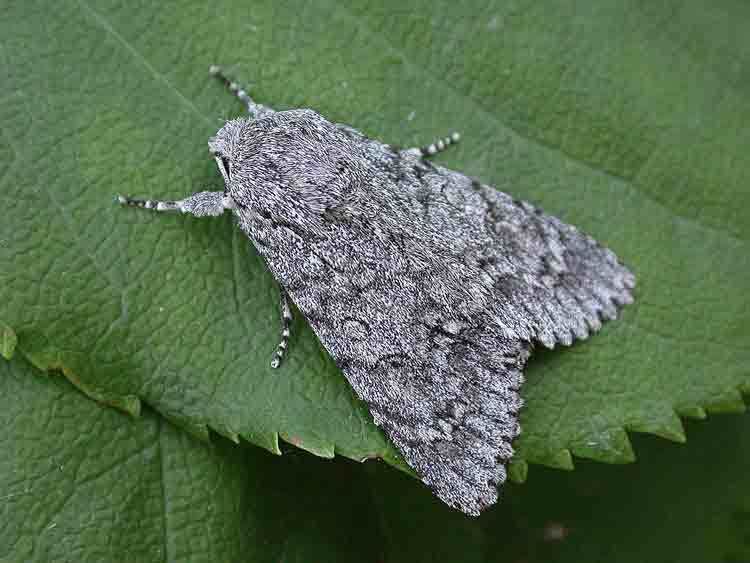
x=286, y=320
x=201, y=204
x=254, y=109
x=439, y=146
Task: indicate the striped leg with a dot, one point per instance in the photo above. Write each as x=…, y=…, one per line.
x=286, y=320
x=440, y=145
x=255, y=110
x=200, y=204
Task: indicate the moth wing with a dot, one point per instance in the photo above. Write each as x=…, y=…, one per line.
x=427, y=289
x=445, y=391
x=415, y=332
x=460, y=444
x=561, y=282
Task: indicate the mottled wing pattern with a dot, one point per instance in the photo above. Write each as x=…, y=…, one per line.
x=427, y=289
x=545, y=272
x=415, y=334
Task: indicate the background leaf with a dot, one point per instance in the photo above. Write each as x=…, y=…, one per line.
x=627, y=119
x=83, y=482
x=678, y=504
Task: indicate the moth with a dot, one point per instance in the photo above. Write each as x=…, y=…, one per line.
x=428, y=288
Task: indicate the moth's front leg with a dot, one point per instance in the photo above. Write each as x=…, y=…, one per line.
x=201, y=204
x=286, y=321
x=207, y=204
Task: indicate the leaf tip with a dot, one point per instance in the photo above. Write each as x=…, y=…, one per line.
x=129, y=404
x=273, y=444
x=8, y=341
x=518, y=470
x=317, y=448
x=609, y=446
x=557, y=459
x=227, y=433
x=665, y=423
x=693, y=411
x=731, y=402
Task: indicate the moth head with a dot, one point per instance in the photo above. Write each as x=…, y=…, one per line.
x=223, y=145
x=291, y=165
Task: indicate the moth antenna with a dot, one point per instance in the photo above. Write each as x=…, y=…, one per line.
x=256, y=110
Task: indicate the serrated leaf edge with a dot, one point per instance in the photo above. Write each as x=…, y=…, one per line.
x=730, y=401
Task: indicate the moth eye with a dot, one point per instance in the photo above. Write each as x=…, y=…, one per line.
x=225, y=164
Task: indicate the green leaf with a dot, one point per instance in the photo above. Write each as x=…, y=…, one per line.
x=8, y=341
x=83, y=482
x=627, y=119
x=678, y=503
